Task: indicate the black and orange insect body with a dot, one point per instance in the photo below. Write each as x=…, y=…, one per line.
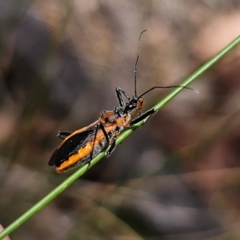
x=81, y=146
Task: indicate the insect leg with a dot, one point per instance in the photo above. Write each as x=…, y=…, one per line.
x=105, y=133
x=111, y=148
x=99, y=125
x=111, y=141
x=62, y=134
x=94, y=139
x=147, y=114
x=119, y=92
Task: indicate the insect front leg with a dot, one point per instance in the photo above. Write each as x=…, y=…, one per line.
x=145, y=115
x=63, y=134
x=119, y=92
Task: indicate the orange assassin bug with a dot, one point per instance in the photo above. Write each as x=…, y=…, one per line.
x=81, y=146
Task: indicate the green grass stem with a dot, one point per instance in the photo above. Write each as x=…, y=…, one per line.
x=54, y=193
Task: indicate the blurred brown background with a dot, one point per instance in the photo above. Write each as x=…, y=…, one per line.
x=177, y=177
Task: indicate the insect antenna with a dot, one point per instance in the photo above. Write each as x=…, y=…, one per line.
x=135, y=68
x=155, y=87
x=149, y=90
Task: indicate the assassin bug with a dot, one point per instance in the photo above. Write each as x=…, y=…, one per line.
x=81, y=146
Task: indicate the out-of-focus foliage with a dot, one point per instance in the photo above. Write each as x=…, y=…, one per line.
x=175, y=178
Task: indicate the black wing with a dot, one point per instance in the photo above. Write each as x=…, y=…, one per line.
x=71, y=146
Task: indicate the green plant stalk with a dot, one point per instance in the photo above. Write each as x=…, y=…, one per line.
x=18, y=222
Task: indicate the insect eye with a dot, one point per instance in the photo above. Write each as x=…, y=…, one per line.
x=131, y=106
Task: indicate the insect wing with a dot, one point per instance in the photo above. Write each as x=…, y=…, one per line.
x=70, y=146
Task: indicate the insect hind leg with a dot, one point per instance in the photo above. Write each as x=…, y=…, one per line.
x=99, y=125
x=94, y=139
